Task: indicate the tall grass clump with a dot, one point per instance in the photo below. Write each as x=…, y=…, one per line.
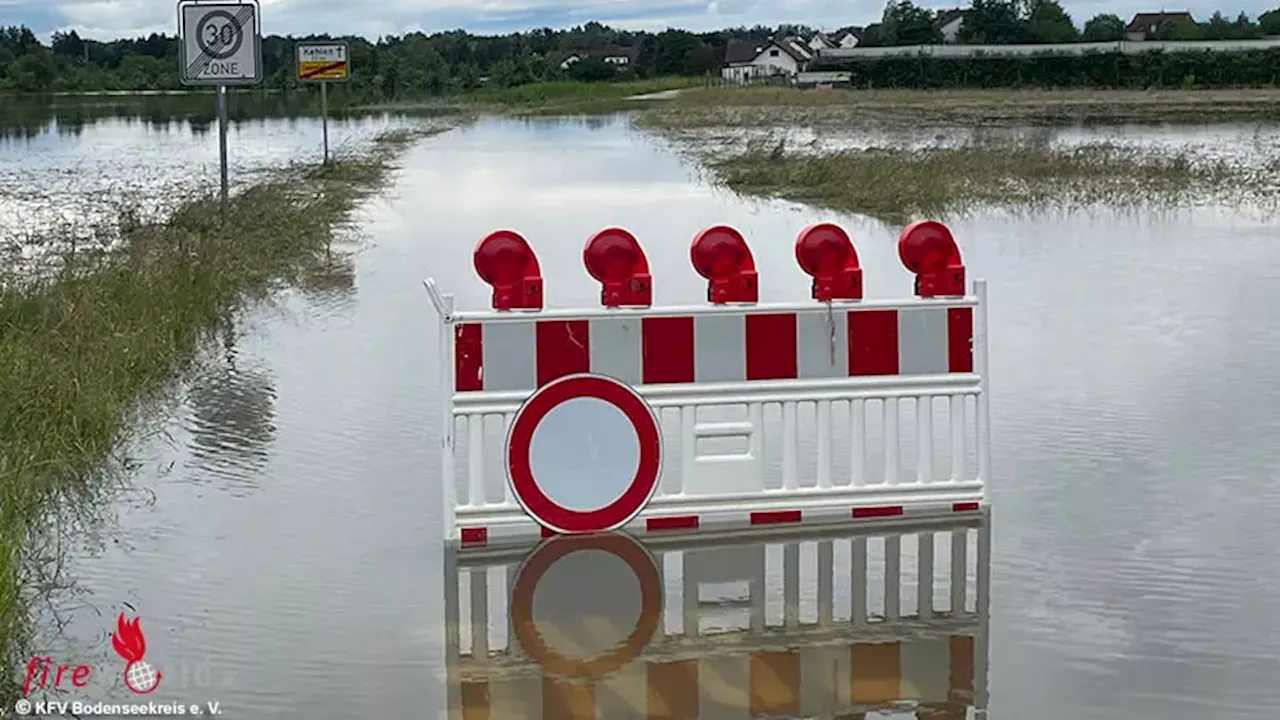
x=83, y=346
x=898, y=183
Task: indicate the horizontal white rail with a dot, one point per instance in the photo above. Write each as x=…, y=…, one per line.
x=490, y=316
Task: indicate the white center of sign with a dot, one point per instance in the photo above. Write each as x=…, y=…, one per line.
x=581, y=625
x=584, y=454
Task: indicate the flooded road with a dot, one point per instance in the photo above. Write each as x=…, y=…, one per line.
x=286, y=560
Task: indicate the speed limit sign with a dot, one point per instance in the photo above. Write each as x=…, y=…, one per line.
x=221, y=43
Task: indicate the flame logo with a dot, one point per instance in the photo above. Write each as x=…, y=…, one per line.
x=131, y=644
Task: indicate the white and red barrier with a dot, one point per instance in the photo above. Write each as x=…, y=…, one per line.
x=734, y=413
x=723, y=625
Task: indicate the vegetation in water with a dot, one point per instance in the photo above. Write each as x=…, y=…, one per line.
x=84, y=345
x=754, y=107
x=900, y=184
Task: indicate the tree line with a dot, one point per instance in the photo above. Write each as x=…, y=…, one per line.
x=1003, y=22
x=414, y=64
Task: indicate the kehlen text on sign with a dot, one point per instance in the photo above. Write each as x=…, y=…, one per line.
x=221, y=43
x=322, y=62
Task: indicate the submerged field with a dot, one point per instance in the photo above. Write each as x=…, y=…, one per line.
x=901, y=154
x=103, y=329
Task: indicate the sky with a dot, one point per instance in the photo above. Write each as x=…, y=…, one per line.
x=112, y=19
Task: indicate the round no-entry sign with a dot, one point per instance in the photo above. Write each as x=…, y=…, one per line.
x=584, y=454
x=580, y=635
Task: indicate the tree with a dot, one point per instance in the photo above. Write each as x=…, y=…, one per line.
x=902, y=23
x=1242, y=28
x=592, y=70
x=1179, y=30
x=1216, y=29
x=992, y=22
x=1269, y=22
x=1104, y=27
x=1047, y=22
x=68, y=45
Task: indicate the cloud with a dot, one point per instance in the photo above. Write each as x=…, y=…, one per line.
x=109, y=19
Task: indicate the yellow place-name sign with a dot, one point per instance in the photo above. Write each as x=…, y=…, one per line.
x=322, y=62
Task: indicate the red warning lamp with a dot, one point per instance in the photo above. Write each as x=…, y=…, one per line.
x=614, y=257
x=826, y=254
x=720, y=254
x=505, y=261
x=928, y=250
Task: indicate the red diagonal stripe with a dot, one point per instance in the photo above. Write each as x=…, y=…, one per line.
x=322, y=69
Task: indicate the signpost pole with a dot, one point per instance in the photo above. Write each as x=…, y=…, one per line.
x=222, y=142
x=324, y=117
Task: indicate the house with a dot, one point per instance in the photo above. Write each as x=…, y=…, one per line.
x=847, y=38
x=1144, y=26
x=622, y=57
x=948, y=23
x=784, y=56
x=820, y=42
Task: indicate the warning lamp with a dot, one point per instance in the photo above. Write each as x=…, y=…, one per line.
x=506, y=262
x=826, y=254
x=720, y=254
x=615, y=259
x=928, y=250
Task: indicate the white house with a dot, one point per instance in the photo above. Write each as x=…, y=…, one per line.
x=620, y=56
x=744, y=62
x=820, y=42
x=845, y=39
x=948, y=23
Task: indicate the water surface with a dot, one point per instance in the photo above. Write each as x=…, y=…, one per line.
x=292, y=544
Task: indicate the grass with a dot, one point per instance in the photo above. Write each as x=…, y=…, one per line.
x=550, y=98
x=84, y=347
x=757, y=106
x=896, y=184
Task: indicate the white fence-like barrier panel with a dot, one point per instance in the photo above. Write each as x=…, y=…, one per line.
x=831, y=411
x=826, y=624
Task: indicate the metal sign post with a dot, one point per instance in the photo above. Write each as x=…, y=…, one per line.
x=322, y=63
x=220, y=45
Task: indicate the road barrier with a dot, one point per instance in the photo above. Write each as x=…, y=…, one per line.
x=736, y=413
x=723, y=625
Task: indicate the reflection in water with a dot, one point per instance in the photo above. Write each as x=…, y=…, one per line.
x=329, y=281
x=730, y=626
x=232, y=417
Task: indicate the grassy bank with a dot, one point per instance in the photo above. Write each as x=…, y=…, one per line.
x=548, y=98
x=83, y=348
x=759, y=106
x=900, y=184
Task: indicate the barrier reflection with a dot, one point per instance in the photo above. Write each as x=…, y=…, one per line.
x=828, y=623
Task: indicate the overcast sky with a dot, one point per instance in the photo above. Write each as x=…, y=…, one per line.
x=110, y=19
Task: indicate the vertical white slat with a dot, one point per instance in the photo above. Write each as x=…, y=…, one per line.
x=513, y=645
x=688, y=446
x=448, y=421
x=758, y=589
x=755, y=443
x=958, y=449
x=824, y=444
x=791, y=585
x=692, y=606
x=479, y=612
x=508, y=497
x=475, y=460
x=924, y=439
x=982, y=645
x=858, y=429
x=858, y=582
x=891, y=441
x=981, y=365
x=892, y=577
x=826, y=583
x=959, y=569
x=790, y=449
x=452, y=631
x=924, y=589
x=673, y=592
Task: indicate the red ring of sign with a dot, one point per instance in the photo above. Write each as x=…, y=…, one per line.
x=525, y=487
x=551, y=552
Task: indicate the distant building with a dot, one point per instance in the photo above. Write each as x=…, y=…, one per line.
x=847, y=38
x=1144, y=26
x=622, y=57
x=785, y=56
x=948, y=24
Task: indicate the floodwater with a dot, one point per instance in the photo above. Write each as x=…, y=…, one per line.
x=282, y=545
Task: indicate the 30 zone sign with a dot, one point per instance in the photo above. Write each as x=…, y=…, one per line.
x=322, y=61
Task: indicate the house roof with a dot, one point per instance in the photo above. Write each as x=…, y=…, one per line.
x=607, y=52
x=821, y=36
x=944, y=18
x=1143, y=22
x=800, y=50
x=740, y=51
x=856, y=32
